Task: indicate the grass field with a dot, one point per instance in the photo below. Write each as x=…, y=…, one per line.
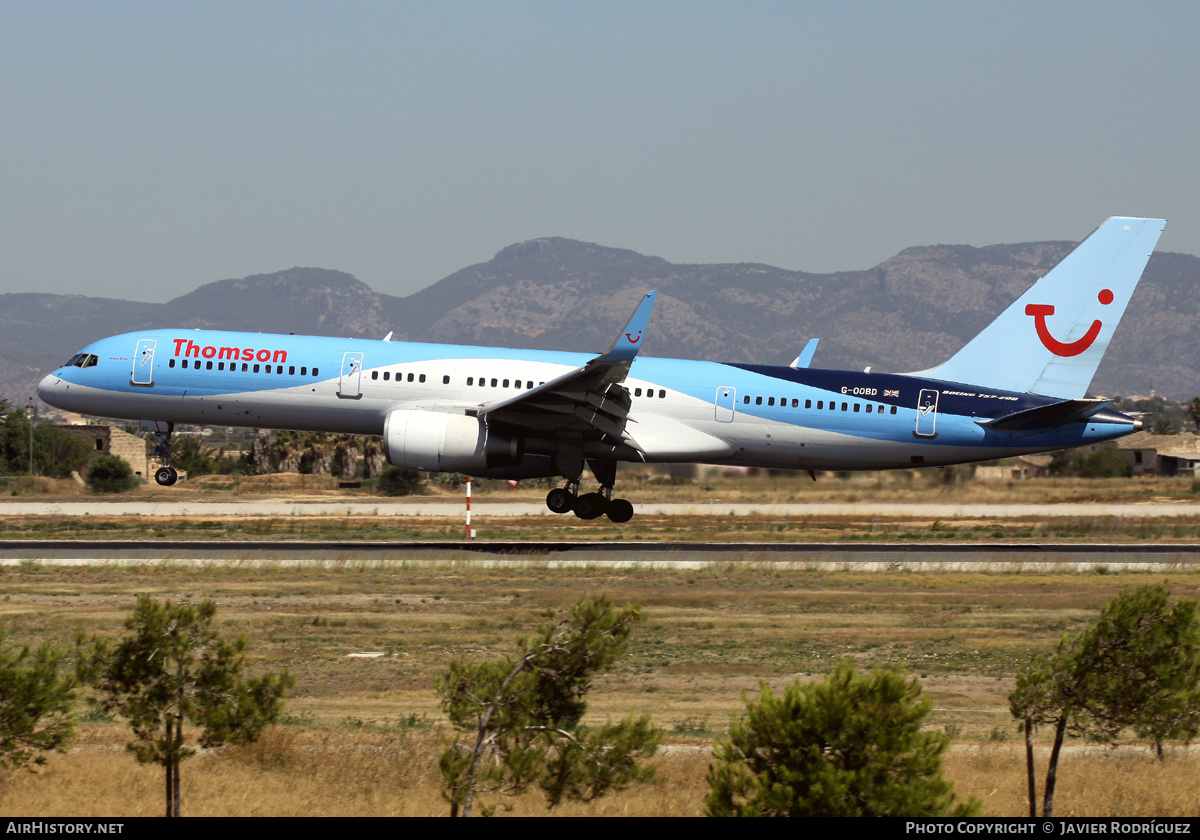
x=645, y=485
x=363, y=731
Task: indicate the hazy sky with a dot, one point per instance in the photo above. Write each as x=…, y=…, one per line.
x=146, y=148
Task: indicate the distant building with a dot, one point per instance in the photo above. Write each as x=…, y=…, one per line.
x=1023, y=466
x=1151, y=454
x=106, y=440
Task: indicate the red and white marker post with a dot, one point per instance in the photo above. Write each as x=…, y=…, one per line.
x=467, y=535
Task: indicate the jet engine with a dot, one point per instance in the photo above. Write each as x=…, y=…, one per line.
x=438, y=442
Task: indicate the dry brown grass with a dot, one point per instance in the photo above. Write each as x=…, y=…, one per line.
x=710, y=635
x=642, y=485
x=307, y=772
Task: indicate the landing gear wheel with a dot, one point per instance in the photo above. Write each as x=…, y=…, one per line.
x=620, y=510
x=591, y=505
x=166, y=476
x=560, y=501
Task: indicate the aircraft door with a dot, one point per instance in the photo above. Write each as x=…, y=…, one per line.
x=350, y=384
x=725, y=404
x=927, y=414
x=143, y=363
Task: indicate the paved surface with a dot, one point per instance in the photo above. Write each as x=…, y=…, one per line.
x=216, y=510
x=835, y=557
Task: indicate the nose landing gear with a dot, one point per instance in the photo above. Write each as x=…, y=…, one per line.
x=165, y=475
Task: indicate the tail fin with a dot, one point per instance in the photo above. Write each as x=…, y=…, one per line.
x=1050, y=341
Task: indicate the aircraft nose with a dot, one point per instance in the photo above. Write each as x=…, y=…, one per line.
x=48, y=387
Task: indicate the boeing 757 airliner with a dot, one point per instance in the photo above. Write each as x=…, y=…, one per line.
x=1016, y=388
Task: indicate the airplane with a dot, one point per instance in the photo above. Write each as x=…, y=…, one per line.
x=1018, y=387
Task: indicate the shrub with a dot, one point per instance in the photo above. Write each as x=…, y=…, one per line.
x=110, y=474
x=399, y=482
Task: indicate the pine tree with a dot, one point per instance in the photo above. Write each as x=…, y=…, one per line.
x=1137, y=667
x=171, y=669
x=850, y=745
x=524, y=712
x=36, y=703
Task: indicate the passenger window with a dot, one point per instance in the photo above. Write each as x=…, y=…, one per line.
x=374, y=374
x=893, y=409
x=245, y=367
x=314, y=371
x=529, y=385
x=637, y=392
x=495, y=382
x=770, y=401
x=445, y=380
x=421, y=378
x=256, y=368
x=208, y=365
x=795, y=403
x=808, y=403
x=843, y=406
x=171, y=363
x=746, y=399
x=410, y=377
x=505, y=383
x=470, y=380
x=758, y=400
x=292, y=370
x=869, y=407
x=304, y=371
x=662, y=395
x=856, y=406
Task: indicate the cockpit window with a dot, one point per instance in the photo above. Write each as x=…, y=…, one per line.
x=83, y=360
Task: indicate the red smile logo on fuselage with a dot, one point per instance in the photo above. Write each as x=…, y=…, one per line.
x=1039, y=311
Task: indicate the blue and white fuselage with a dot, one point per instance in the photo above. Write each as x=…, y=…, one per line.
x=525, y=413
x=748, y=415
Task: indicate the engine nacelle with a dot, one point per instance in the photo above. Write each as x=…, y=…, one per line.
x=438, y=442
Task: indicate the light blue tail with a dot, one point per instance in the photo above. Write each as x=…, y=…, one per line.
x=1050, y=341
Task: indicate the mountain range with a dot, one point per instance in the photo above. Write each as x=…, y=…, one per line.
x=908, y=313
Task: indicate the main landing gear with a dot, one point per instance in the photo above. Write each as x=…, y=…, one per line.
x=589, y=505
x=592, y=505
x=165, y=475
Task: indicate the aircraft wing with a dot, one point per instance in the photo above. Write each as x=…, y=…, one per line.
x=590, y=397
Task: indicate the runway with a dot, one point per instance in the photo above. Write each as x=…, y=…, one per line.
x=832, y=557
x=480, y=509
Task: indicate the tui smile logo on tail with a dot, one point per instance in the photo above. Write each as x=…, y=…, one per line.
x=1039, y=311
x=633, y=340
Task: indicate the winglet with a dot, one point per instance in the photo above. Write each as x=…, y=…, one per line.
x=806, y=355
x=626, y=347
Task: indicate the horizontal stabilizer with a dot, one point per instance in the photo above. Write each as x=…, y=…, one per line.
x=1046, y=416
